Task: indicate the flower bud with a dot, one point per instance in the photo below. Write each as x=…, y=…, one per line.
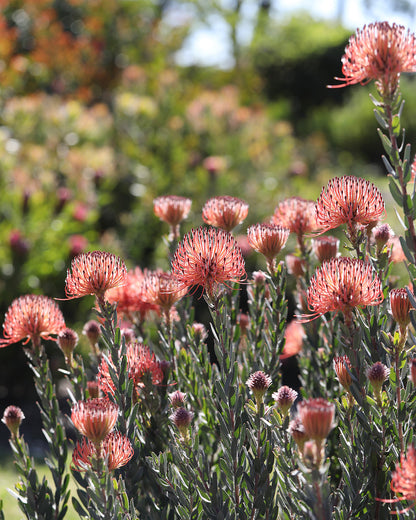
x=297, y=431
x=258, y=383
x=317, y=416
x=67, y=341
x=382, y=235
x=377, y=374
x=177, y=399
x=284, y=398
x=182, y=419
x=342, y=366
x=400, y=307
x=12, y=418
x=92, y=331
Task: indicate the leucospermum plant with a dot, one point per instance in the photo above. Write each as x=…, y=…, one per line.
x=198, y=421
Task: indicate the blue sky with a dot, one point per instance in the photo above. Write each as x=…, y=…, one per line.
x=210, y=45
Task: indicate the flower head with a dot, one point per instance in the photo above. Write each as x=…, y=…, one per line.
x=31, y=317
x=116, y=449
x=162, y=289
x=182, y=418
x=325, y=247
x=349, y=200
x=131, y=298
x=342, y=284
x=284, y=398
x=67, y=341
x=297, y=431
x=317, y=416
x=400, y=306
x=208, y=257
x=95, y=418
x=377, y=374
x=12, y=418
x=172, y=209
x=94, y=273
x=224, y=212
x=297, y=215
x=342, y=366
x=259, y=382
x=267, y=239
x=404, y=479
x=177, y=399
x=92, y=330
x=380, y=52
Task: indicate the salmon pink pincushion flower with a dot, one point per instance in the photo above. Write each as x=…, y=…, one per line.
x=95, y=418
x=379, y=51
x=349, y=200
x=131, y=297
x=172, y=209
x=31, y=317
x=403, y=480
x=297, y=215
x=317, y=416
x=94, y=273
x=208, y=257
x=224, y=212
x=269, y=240
x=341, y=284
x=116, y=449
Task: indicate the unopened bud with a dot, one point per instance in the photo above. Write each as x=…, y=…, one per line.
x=92, y=331
x=177, y=399
x=284, y=398
x=342, y=366
x=67, y=341
x=12, y=418
x=377, y=374
x=258, y=383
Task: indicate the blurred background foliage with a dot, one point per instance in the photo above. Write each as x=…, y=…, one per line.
x=98, y=118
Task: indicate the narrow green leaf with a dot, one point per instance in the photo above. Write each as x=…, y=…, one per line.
x=395, y=191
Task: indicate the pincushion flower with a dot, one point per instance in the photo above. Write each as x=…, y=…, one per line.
x=341, y=284
x=317, y=416
x=172, y=209
x=208, y=257
x=95, y=418
x=116, y=449
x=131, y=297
x=30, y=318
x=269, y=240
x=224, y=212
x=162, y=289
x=400, y=307
x=403, y=480
x=381, y=52
x=297, y=215
x=349, y=200
x=94, y=273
